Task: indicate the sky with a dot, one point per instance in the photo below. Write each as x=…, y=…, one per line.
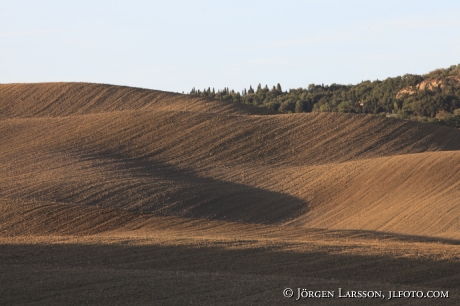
x=175, y=45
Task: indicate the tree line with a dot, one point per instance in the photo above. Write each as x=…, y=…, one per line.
x=433, y=97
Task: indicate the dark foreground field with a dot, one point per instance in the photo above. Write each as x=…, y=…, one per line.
x=172, y=269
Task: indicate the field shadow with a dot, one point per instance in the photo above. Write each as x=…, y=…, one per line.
x=381, y=235
x=166, y=190
x=323, y=263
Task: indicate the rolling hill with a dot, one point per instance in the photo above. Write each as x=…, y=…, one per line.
x=81, y=159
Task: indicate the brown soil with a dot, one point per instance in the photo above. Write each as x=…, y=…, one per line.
x=113, y=194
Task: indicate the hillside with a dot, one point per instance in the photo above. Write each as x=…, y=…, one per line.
x=167, y=155
x=64, y=99
x=113, y=194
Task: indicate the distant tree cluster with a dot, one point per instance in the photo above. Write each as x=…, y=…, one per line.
x=433, y=97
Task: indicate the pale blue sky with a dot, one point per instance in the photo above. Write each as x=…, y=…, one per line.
x=176, y=45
